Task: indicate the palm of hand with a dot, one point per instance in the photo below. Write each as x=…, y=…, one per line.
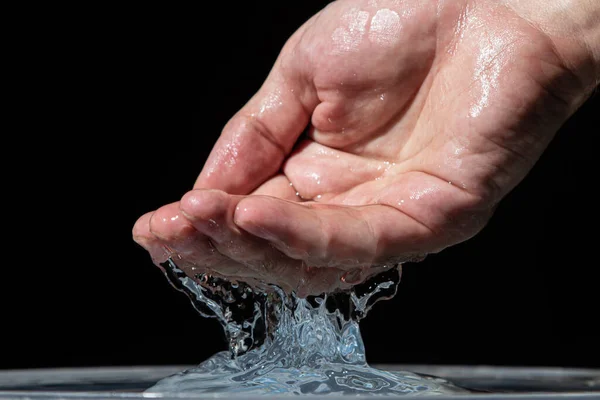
x=422, y=119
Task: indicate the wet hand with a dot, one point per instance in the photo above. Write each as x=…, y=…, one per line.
x=385, y=131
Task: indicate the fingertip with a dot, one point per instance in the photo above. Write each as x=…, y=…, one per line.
x=246, y=211
x=140, y=228
x=202, y=204
x=168, y=224
x=144, y=237
x=141, y=231
x=254, y=213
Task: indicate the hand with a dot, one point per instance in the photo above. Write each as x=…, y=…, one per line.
x=421, y=117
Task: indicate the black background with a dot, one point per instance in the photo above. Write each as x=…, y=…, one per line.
x=125, y=105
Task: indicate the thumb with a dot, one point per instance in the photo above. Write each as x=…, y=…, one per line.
x=257, y=139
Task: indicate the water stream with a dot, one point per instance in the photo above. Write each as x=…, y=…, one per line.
x=280, y=343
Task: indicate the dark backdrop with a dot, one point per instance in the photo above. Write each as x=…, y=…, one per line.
x=125, y=106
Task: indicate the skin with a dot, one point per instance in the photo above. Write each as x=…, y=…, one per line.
x=385, y=131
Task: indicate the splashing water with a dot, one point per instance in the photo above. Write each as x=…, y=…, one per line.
x=280, y=343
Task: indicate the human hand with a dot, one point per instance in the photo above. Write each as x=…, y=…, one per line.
x=422, y=118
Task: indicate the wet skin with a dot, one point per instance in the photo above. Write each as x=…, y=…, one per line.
x=421, y=117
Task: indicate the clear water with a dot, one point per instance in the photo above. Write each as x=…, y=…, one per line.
x=279, y=343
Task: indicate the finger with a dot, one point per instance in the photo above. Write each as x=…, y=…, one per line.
x=165, y=233
x=256, y=140
x=318, y=170
x=211, y=212
x=332, y=235
x=173, y=237
x=145, y=238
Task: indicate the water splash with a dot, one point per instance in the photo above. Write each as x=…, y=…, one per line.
x=280, y=343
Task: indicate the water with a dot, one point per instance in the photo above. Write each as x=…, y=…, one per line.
x=280, y=343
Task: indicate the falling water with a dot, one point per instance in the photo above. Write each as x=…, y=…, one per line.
x=280, y=343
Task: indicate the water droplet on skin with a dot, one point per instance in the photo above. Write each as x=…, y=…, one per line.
x=421, y=193
x=315, y=177
x=271, y=102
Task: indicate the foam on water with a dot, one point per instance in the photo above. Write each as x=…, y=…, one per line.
x=279, y=343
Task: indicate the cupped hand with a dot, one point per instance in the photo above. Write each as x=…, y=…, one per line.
x=385, y=131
